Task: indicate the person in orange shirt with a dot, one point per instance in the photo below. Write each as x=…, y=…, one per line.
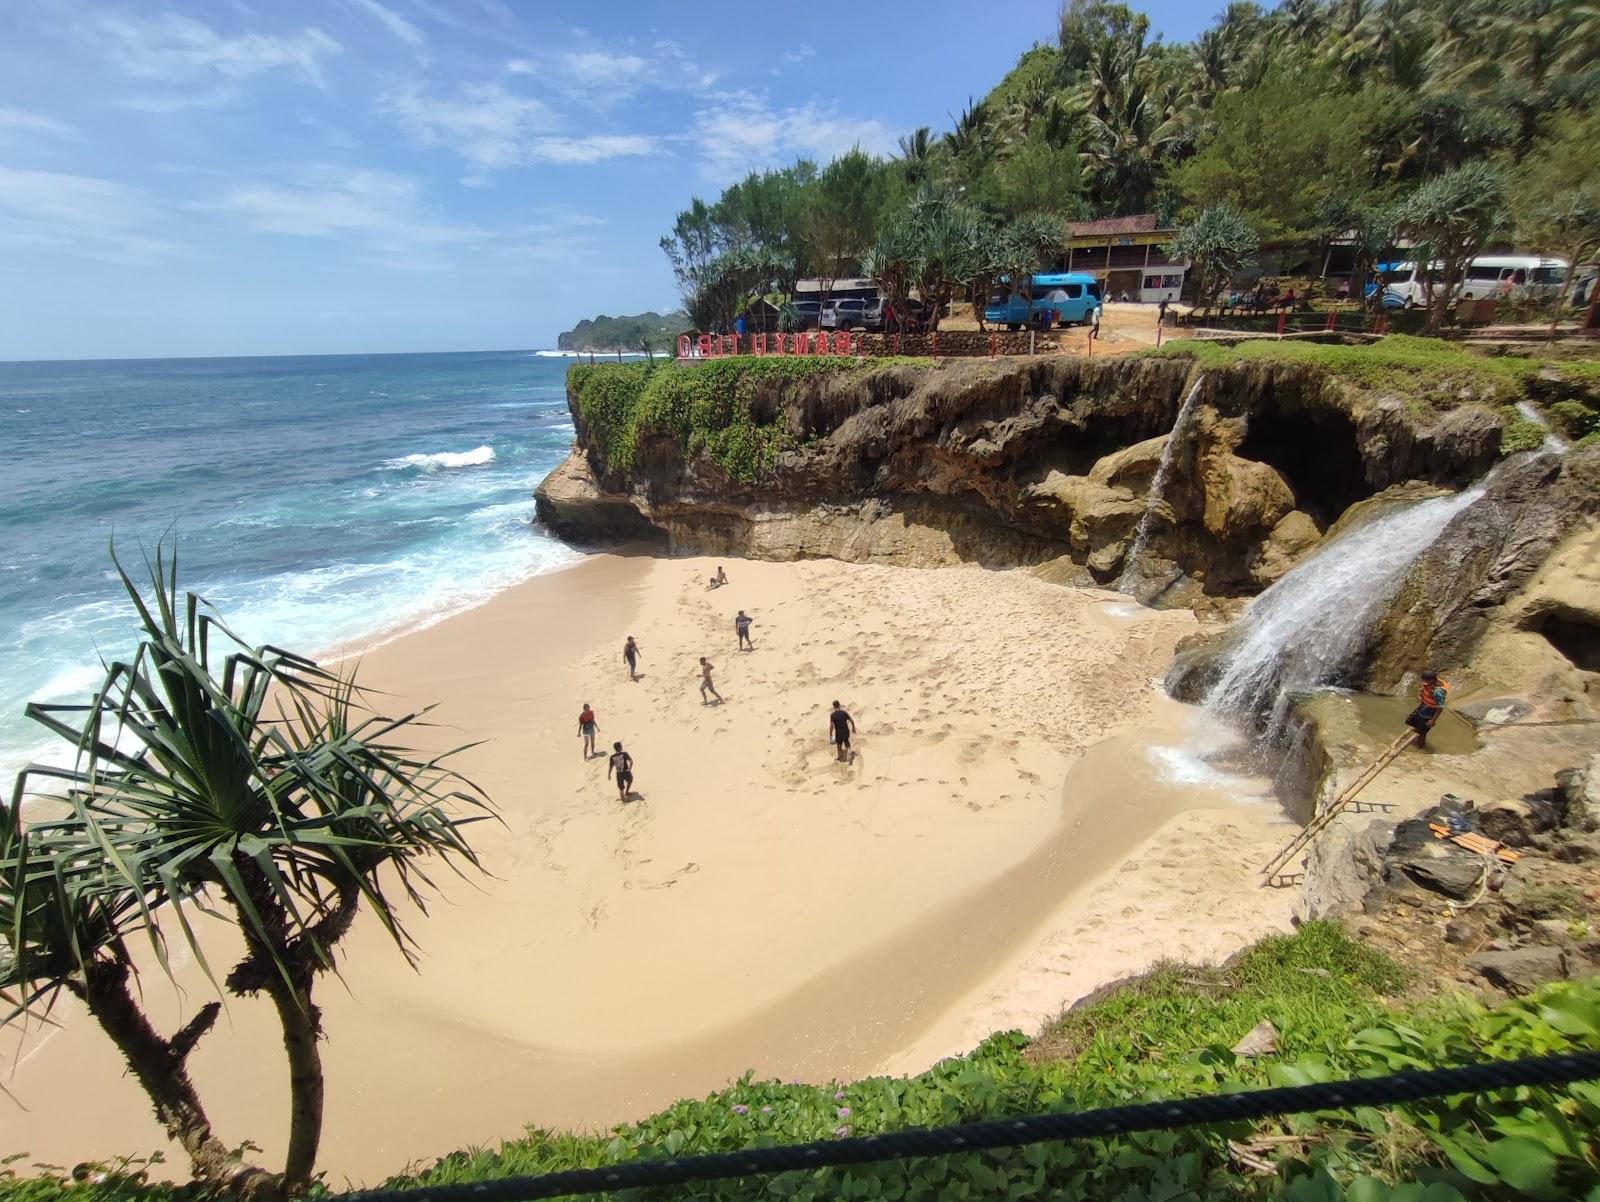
x=1430, y=704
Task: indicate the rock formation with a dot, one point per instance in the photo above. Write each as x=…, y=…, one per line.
x=1023, y=460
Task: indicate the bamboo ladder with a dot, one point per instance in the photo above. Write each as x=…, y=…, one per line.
x=1273, y=871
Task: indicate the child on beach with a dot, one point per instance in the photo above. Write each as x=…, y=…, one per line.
x=705, y=682
x=630, y=656
x=587, y=728
x=622, y=764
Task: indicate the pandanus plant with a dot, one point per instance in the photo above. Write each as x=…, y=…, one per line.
x=245, y=780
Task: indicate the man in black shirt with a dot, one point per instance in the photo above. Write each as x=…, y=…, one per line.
x=842, y=724
x=622, y=764
x=741, y=624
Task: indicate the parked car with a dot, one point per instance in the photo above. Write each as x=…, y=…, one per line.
x=806, y=314
x=847, y=314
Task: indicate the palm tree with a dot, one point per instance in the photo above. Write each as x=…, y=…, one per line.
x=64, y=928
x=1219, y=241
x=1449, y=218
x=915, y=149
x=248, y=774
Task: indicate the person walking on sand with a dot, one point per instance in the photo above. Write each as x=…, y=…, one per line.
x=705, y=682
x=587, y=728
x=630, y=656
x=841, y=724
x=741, y=625
x=622, y=764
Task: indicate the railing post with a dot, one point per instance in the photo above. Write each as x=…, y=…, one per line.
x=1281, y=316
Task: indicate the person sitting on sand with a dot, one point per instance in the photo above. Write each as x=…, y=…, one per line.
x=722, y=576
x=1430, y=704
x=630, y=656
x=705, y=681
x=622, y=764
x=841, y=724
x=741, y=626
x=587, y=728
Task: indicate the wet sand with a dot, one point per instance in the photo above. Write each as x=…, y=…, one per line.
x=987, y=856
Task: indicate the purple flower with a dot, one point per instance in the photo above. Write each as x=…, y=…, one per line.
x=844, y=1112
x=838, y=1095
x=741, y=1110
x=766, y=1110
x=841, y=1132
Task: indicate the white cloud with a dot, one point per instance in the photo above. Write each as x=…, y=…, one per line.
x=742, y=132
x=15, y=122
x=392, y=21
x=598, y=68
x=173, y=47
x=519, y=66
x=484, y=123
x=493, y=128
x=78, y=214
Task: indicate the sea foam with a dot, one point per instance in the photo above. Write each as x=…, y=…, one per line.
x=476, y=457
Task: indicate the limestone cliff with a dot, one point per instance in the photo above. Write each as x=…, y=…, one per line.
x=1025, y=460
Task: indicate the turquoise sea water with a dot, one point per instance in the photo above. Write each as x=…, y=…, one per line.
x=314, y=500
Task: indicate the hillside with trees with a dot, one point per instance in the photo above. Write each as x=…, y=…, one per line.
x=1452, y=126
x=645, y=331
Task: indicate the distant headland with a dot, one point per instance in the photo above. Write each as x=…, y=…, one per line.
x=609, y=334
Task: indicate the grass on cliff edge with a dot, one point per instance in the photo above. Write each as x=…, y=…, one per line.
x=703, y=406
x=1167, y=1035
x=1428, y=369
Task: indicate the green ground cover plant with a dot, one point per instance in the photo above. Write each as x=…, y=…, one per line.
x=704, y=406
x=1333, y=1002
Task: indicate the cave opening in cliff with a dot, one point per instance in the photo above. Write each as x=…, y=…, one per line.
x=1573, y=633
x=1316, y=453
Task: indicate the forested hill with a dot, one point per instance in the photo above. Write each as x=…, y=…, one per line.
x=624, y=333
x=1275, y=132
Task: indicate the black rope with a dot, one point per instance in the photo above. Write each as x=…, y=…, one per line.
x=1005, y=1133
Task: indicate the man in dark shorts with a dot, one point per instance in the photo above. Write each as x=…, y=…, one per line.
x=1431, y=698
x=841, y=724
x=630, y=656
x=705, y=682
x=587, y=727
x=622, y=764
x=742, y=625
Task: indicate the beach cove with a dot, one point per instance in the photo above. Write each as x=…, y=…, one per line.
x=1008, y=838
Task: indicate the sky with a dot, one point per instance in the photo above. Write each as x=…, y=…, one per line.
x=220, y=177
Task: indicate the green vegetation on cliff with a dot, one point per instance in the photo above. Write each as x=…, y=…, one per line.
x=655, y=331
x=707, y=406
x=1166, y=1035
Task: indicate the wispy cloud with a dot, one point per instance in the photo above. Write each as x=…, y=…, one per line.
x=79, y=215
x=385, y=217
x=742, y=132
x=15, y=123
x=392, y=21
x=601, y=68
x=173, y=47
x=493, y=128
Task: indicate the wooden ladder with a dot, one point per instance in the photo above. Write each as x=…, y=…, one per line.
x=1273, y=870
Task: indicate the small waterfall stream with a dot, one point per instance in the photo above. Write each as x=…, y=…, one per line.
x=1552, y=440
x=1309, y=627
x=1158, y=487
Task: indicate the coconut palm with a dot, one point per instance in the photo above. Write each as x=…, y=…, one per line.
x=251, y=776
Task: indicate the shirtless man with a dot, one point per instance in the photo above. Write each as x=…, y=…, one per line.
x=705, y=682
x=622, y=764
x=741, y=624
x=630, y=656
x=587, y=726
x=841, y=724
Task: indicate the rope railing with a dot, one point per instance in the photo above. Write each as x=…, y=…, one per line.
x=1410, y=1086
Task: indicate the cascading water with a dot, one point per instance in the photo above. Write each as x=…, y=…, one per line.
x=1309, y=627
x=1158, y=487
x=1552, y=440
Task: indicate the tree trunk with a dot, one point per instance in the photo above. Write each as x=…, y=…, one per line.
x=301, y=1022
x=160, y=1067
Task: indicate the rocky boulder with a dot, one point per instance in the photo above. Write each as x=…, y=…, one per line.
x=1520, y=970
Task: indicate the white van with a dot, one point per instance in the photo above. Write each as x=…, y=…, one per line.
x=1403, y=286
x=1514, y=277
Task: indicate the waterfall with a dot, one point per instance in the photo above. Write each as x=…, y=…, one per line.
x=1552, y=440
x=1310, y=627
x=1158, y=486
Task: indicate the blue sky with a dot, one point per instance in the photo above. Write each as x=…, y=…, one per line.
x=310, y=176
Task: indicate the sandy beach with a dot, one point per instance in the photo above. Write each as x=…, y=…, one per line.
x=1020, y=824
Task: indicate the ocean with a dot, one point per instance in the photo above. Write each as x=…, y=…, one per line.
x=313, y=500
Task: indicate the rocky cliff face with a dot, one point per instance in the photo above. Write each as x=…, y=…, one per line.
x=1026, y=460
